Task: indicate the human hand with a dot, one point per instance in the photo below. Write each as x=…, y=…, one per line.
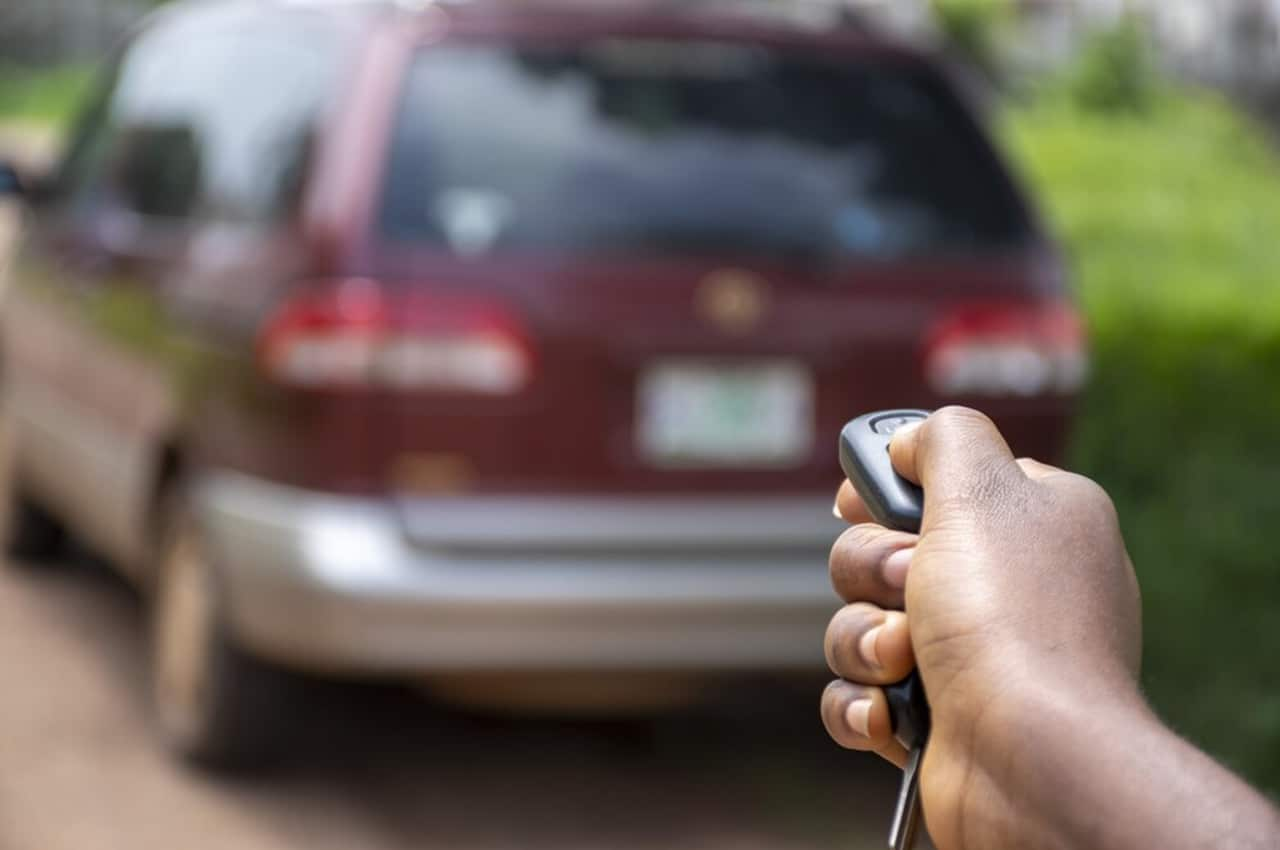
x=1019, y=591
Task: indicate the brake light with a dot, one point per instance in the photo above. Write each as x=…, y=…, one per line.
x=357, y=334
x=1007, y=350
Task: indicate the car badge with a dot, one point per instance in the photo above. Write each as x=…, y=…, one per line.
x=733, y=300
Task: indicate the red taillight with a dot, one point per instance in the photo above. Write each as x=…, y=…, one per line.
x=360, y=334
x=1007, y=350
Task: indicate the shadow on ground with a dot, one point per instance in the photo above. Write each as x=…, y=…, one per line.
x=383, y=767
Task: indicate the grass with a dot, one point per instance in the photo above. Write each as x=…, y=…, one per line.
x=1172, y=220
x=42, y=96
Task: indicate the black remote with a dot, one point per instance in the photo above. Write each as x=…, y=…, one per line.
x=895, y=503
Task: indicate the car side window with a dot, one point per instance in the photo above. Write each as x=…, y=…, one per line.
x=205, y=122
x=126, y=157
x=257, y=104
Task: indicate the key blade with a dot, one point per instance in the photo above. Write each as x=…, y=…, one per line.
x=906, y=817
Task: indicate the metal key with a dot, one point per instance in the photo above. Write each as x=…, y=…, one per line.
x=909, y=714
x=906, y=816
x=895, y=503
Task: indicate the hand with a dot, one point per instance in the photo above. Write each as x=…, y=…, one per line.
x=1020, y=594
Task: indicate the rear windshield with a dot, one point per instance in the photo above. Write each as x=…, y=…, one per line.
x=686, y=148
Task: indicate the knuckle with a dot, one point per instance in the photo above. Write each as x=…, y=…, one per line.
x=831, y=645
x=955, y=422
x=840, y=562
x=989, y=490
x=843, y=634
x=836, y=699
x=1092, y=501
x=862, y=540
x=967, y=433
x=855, y=555
x=990, y=480
x=833, y=695
x=846, y=543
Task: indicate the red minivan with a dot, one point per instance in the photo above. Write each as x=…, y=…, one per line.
x=499, y=346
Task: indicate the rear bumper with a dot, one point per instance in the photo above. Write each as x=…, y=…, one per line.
x=360, y=585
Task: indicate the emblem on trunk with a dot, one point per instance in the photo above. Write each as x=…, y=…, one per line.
x=733, y=300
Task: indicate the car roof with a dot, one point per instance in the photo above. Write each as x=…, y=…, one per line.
x=805, y=21
x=805, y=14
x=802, y=13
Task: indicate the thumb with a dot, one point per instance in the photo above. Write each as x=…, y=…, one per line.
x=955, y=452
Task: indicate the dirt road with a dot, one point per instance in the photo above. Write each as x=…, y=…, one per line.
x=387, y=769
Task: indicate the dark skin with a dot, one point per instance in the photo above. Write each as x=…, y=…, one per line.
x=1026, y=628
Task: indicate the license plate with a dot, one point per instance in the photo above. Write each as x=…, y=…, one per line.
x=712, y=414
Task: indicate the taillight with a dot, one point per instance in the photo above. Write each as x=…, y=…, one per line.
x=360, y=333
x=1007, y=350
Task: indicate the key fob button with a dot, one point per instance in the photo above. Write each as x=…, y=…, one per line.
x=889, y=425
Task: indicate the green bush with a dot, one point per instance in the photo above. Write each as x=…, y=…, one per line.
x=1115, y=72
x=1171, y=222
x=971, y=29
x=48, y=96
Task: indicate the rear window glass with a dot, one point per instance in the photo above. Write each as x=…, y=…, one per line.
x=688, y=149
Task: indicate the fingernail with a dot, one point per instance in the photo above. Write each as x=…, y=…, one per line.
x=896, y=566
x=868, y=650
x=835, y=511
x=907, y=429
x=858, y=717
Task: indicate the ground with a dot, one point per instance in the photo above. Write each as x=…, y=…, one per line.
x=385, y=768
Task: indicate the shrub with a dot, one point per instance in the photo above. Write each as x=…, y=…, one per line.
x=1170, y=223
x=971, y=30
x=42, y=95
x=1115, y=72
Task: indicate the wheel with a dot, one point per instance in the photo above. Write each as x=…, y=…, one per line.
x=31, y=534
x=214, y=704
x=28, y=532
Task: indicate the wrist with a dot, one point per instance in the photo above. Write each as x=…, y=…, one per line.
x=1029, y=751
x=1069, y=705
x=1090, y=765
x=1033, y=754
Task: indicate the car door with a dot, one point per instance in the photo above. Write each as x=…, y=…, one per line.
x=82, y=326
x=172, y=204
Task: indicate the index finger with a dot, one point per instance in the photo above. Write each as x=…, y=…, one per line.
x=849, y=505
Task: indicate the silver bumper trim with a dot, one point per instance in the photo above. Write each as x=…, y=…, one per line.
x=334, y=583
x=620, y=523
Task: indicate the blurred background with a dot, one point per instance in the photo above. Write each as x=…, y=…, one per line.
x=1146, y=132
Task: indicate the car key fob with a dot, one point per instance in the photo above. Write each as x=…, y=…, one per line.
x=892, y=500
x=895, y=503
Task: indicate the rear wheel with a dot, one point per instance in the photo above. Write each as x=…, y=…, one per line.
x=28, y=533
x=214, y=704
x=31, y=534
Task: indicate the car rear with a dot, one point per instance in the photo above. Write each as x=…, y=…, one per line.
x=619, y=281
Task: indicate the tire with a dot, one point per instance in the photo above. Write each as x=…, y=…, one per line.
x=31, y=534
x=28, y=532
x=214, y=705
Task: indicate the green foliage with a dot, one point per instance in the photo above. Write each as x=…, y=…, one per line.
x=48, y=96
x=1171, y=221
x=1115, y=72
x=971, y=29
